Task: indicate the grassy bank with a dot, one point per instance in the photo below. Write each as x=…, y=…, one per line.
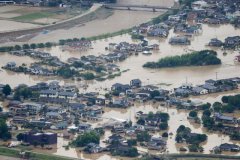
x=33, y=156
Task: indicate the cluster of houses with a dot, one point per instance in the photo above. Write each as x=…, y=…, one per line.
x=44, y=57
x=118, y=52
x=187, y=22
x=33, y=69
x=216, y=12
x=81, y=45
x=103, y=63
x=35, y=137
x=58, y=107
x=210, y=86
x=229, y=42
x=227, y=148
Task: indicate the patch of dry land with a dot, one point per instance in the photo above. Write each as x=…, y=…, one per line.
x=25, y=17
x=6, y=25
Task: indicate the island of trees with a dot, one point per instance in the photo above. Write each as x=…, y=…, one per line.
x=199, y=58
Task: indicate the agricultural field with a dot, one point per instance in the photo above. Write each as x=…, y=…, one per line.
x=37, y=15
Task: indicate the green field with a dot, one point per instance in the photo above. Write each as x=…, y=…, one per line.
x=33, y=16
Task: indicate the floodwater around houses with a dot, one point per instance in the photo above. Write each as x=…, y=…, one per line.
x=166, y=77
x=173, y=76
x=177, y=118
x=119, y=20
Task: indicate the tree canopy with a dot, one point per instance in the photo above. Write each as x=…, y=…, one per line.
x=86, y=138
x=4, y=132
x=7, y=90
x=200, y=58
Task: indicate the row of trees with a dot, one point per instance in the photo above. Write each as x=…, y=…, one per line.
x=201, y=58
x=21, y=91
x=26, y=46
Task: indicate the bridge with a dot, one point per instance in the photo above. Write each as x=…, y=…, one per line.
x=7, y=2
x=136, y=7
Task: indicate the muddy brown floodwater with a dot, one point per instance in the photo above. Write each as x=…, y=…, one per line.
x=166, y=3
x=165, y=77
x=160, y=77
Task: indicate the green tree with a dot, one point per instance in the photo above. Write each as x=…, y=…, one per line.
x=164, y=117
x=66, y=72
x=22, y=92
x=154, y=94
x=131, y=142
x=76, y=121
x=33, y=46
x=143, y=136
x=20, y=136
x=207, y=113
x=88, y=76
x=217, y=106
x=225, y=99
x=165, y=134
x=17, y=47
x=62, y=42
x=40, y=45
x=26, y=46
x=200, y=58
x=141, y=122
x=235, y=136
x=4, y=132
x=163, y=126
x=86, y=138
x=193, y=114
x=48, y=44
x=7, y=90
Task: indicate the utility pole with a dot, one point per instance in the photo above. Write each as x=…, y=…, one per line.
x=216, y=75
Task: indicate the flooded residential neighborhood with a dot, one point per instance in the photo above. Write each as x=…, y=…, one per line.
x=120, y=79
